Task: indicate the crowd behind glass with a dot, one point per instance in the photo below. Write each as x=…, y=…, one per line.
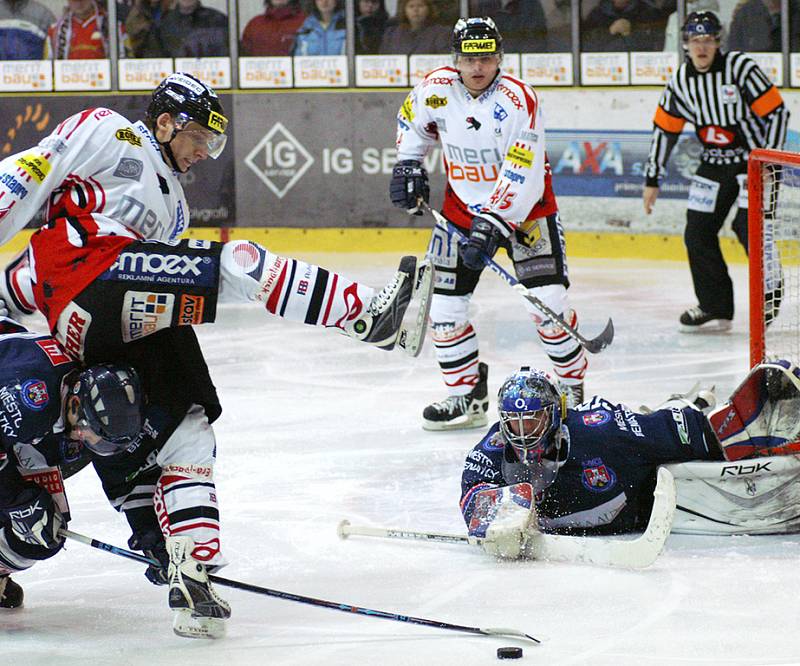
x=42, y=29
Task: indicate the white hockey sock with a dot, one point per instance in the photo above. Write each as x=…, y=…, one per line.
x=568, y=357
x=457, y=353
x=289, y=288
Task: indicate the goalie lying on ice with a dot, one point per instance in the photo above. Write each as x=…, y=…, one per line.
x=591, y=470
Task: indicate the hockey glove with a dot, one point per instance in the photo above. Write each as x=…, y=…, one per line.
x=409, y=185
x=152, y=544
x=504, y=518
x=484, y=239
x=35, y=521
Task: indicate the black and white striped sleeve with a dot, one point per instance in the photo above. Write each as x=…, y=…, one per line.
x=668, y=122
x=764, y=100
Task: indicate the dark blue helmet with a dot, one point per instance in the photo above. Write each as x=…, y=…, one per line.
x=701, y=23
x=107, y=415
x=531, y=411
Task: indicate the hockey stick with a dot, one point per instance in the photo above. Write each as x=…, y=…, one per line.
x=635, y=553
x=594, y=345
x=347, y=608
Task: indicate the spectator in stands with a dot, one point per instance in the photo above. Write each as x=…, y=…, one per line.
x=521, y=22
x=756, y=26
x=82, y=33
x=416, y=31
x=624, y=25
x=273, y=32
x=190, y=30
x=370, y=25
x=324, y=31
x=671, y=33
x=142, y=25
x=558, y=14
x=23, y=28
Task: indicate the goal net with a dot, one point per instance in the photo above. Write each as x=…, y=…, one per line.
x=773, y=182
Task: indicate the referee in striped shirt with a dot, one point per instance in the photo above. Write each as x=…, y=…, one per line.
x=734, y=108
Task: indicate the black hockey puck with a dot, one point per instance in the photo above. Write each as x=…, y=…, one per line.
x=509, y=653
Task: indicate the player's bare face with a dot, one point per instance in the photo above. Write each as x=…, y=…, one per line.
x=478, y=72
x=702, y=49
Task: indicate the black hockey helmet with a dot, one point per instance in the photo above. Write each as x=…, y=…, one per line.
x=187, y=98
x=476, y=37
x=107, y=415
x=701, y=23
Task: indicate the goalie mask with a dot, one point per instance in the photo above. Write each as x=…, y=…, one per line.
x=104, y=408
x=531, y=411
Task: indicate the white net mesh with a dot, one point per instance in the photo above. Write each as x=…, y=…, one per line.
x=780, y=233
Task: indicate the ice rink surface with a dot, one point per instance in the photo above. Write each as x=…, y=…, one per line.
x=318, y=428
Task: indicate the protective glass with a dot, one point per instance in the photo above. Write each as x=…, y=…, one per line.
x=83, y=432
x=213, y=143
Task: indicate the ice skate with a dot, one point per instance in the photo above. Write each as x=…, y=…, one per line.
x=459, y=412
x=387, y=320
x=697, y=320
x=198, y=611
x=11, y=594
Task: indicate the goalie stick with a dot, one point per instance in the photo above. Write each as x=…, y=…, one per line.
x=635, y=553
x=593, y=345
x=289, y=596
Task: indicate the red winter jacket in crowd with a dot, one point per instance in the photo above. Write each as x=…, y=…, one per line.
x=273, y=32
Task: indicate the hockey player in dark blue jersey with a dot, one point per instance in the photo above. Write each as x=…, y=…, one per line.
x=589, y=470
x=33, y=369
x=55, y=415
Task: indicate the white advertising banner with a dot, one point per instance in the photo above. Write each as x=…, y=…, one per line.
x=143, y=73
x=547, y=69
x=652, y=67
x=381, y=70
x=604, y=69
x=82, y=74
x=320, y=72
x=216, y=72
x=420, y=65
x=771, y=64
x=794, y=66
x=511, y=64
x=24, y=75
x=265, y=72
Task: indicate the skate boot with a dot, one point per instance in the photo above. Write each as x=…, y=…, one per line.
x=11, y=594
x=459, y=412
x=387, y=321
x=697, y=320
x=198, y=611
x=574, y=394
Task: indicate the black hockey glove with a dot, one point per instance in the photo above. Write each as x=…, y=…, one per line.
x=152, y=544
x=35, y=521
x=409, y=184
x=484, y=239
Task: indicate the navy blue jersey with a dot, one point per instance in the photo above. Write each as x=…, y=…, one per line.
x=32, y=369
x=605, y=485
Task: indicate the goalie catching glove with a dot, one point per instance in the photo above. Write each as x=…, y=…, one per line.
x=505, y=519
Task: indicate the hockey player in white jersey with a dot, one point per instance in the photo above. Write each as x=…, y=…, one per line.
x=111, y=188
x=499, y=191
x=111, y=275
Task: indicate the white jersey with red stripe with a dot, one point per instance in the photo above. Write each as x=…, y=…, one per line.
x=105, y=184
x=493, y=147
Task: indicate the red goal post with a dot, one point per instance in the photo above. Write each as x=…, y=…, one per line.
x=773, y=184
